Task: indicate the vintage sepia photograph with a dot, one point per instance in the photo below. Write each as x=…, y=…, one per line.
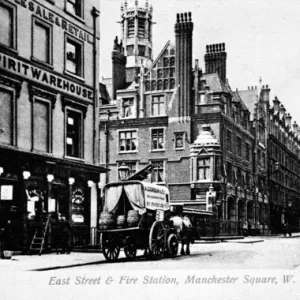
x=149, y=149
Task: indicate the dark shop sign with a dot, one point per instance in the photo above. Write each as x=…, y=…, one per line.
x=33, y=73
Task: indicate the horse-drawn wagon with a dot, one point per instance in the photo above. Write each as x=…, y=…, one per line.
x=136, y=215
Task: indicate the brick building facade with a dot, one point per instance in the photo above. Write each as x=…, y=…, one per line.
x=207, y=143
x=49, y=81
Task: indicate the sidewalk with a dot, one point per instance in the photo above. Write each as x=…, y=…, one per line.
x=53, y=261
x=49, y=261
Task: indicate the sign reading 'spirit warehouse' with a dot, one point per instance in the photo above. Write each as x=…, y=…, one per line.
x=33, y=73
x=55, y=19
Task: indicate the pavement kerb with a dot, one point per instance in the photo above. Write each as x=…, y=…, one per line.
x=243, y=242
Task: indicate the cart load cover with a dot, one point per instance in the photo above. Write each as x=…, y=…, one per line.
x=141, y=196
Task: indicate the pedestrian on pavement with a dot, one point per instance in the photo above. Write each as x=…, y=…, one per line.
x=65, y=235
x=288, y=229
x=284, y=228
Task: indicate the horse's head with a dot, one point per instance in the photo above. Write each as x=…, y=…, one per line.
x=187, y=222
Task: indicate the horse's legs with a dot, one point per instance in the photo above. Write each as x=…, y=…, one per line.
x=188, y=241
x=182, y=247
x=187, y=247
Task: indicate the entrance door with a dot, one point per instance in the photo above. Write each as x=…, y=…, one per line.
x=59, y=199
x=231, y=210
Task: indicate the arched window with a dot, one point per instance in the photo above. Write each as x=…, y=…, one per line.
x=166, y=62
x=172, y=72
x=166, y=84
x=172, y=51
x=159, y=63
x=159, y=85
x=153, y=74
x=172, y=84
x=172, y=61
x=166, y=52
x=147, y=86
x=159, y=73
x=153, y=85
x=166, y=73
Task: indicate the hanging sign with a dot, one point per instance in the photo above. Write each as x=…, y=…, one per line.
x=6, y=192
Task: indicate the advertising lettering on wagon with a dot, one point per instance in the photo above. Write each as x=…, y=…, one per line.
x=156, y=197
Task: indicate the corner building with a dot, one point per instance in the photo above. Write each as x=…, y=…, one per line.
x=201, y=137
x=49, y=81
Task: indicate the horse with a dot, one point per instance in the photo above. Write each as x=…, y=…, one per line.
x=183, y=229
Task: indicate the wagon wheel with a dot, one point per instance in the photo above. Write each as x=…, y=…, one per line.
x=172, y=244
x=130, y=247
x=157, y=239
x=110, y=246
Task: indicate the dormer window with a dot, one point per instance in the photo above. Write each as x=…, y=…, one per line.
x=128, y=108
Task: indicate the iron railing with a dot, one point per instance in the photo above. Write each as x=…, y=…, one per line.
x=211, y=228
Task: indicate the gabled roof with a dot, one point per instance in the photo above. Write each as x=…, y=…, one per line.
x=237, y=98
x=214, y=83
x=159, y=55
x=249, y=97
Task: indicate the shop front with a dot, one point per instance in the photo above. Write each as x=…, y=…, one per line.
x=33, y=186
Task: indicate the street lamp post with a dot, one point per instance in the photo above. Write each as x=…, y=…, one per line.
x=123, y=172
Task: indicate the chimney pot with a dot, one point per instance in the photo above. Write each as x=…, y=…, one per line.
x=190, y=17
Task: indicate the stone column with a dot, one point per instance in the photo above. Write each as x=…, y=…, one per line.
x=93, y=210
x=24, y=236
x=71, y=182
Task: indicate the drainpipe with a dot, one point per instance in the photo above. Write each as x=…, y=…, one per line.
x=95, y=14
x=106, y=131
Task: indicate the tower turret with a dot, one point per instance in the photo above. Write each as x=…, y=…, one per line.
x=136, y=34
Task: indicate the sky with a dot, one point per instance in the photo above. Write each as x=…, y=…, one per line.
x=261, y=36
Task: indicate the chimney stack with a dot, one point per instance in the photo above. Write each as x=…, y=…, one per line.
x=118, y=67
x=295, y=127
x=276, y=103
x=215, y=60
x=288, y=120
x=184, y=45
x=265, y=93
x=281, y=112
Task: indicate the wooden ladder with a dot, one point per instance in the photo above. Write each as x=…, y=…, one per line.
x=38, y=241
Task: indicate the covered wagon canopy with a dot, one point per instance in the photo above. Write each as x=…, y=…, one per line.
x=140, y=195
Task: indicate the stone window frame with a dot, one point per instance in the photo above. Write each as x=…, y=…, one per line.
x=151, y=129
x=72, y=40
x=13, y=9
x=239, y=146
x=13, y=86
x=133, y=107
x=126, y=131
x=205, y=167
x=183, y=133
x=72, y=104
x=40, y=94
x=49, y=27
x=229, y=140
x=80, y=16
x=153, y=162
x=158, y=101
